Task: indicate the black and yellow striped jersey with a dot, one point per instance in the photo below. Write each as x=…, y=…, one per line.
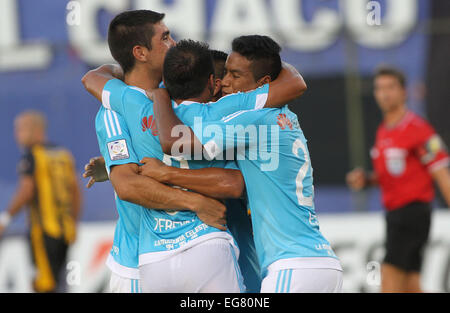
x=53, y=170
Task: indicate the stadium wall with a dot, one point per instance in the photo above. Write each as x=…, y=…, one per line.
x=356, y=238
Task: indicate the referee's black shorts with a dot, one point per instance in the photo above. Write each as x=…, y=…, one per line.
x=407, y=231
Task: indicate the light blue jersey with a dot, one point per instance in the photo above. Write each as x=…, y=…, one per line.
x=164, y=233
x=115, y=146
x=273, y=157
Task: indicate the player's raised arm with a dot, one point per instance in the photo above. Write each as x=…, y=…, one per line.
x=171, y=130
x=219, y=183
x=95, y=80
x=287, y=87
x=147, y=192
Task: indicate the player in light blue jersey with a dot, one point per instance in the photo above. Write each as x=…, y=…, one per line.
x=115, y=147
x=272, y=154
x=147, y=30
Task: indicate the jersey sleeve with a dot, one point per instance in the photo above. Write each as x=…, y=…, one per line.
x=123, y=99
x=114, y=139
x=252, y=100
x=112, y=95
x=26, y=164
x=431, y=150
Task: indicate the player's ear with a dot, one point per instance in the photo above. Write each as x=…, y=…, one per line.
x=140, y=53
x=217, y=86
x=211, y=85
x=264, y=80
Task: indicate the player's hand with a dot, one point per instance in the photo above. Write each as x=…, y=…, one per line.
x=154, y=168
x=2, y=230
x=211, y=212
x=95, y=170
x=357, y=179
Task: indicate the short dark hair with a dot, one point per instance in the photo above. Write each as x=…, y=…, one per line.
x=264, y=53
x=187, y=69
x=385, y=70
x=130, y=29
x=219, y=58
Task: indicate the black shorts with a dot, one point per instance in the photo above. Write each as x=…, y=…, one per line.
x=49, y=259
x=407, y=231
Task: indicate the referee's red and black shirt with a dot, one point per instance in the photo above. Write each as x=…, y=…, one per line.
x=403, y=158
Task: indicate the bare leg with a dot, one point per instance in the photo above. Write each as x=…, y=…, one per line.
x=393, y=279
x=413, y=282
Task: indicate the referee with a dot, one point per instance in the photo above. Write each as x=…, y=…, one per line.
x=408, y=157
x=48, y=185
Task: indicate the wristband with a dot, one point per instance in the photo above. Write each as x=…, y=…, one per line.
x=5, y=219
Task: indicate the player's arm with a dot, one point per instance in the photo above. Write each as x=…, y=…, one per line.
x=442, y=178
x=219, y=183
x=22, y=196
x=95, y=80
x=147, y=192
x=359, y=179
x=433, y=154
x=288, y=86
x=171, y=129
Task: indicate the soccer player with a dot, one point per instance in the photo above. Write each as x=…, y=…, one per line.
x=48, y=184
x=293, y=254
x=407, y=157
x=138, y=40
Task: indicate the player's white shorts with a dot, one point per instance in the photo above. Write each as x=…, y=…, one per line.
x=303, y=280
x=118, y=284
x=210, y=266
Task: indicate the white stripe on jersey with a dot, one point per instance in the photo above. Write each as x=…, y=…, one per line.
x=140, y=90
x=119, y=129
x=228, y=118
x=105, y=99
x=231, y=116
x=261, y=100
x=106, y=125
x=111, y=123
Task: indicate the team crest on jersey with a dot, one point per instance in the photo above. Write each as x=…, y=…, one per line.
x=118, y=150
x=283, y=122
x=395, y=161
x=148, y=123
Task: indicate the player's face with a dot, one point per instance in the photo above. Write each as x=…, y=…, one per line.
x=238, y=75
x=389, y=93
x=162, y=41
x=23, y=131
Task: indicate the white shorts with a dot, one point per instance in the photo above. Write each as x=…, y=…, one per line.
x=303, y=280
x=210, y=266
x=119, y=284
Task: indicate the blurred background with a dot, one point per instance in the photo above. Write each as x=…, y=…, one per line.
x=46, y=46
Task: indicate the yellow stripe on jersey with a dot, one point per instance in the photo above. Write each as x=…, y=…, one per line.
x=55, y=176
x=43, y=280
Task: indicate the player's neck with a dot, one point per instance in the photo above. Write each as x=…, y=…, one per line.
x=143, y=78
x=393, y=117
